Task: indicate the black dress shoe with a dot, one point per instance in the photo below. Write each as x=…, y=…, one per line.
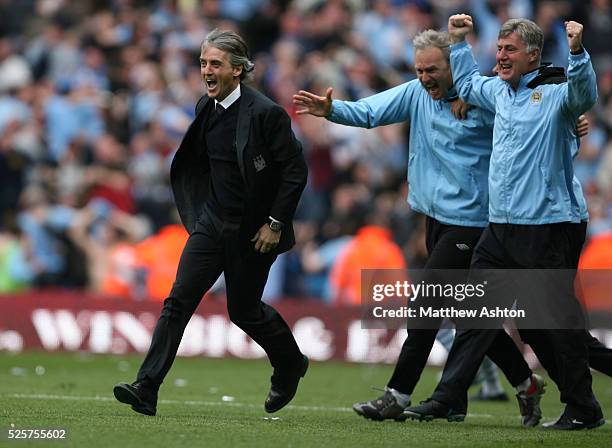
x=565, y=423
x=140, y=395
x=284, y=386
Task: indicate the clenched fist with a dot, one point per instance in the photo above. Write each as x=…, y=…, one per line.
x=459, y=25
x=574, y=35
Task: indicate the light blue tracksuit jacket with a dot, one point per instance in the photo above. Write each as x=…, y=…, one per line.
x=448, y=163
x=531, y=176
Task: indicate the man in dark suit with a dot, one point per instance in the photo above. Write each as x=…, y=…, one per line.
x=237, y=178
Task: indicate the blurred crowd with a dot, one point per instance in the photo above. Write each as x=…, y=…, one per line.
x=96, y=95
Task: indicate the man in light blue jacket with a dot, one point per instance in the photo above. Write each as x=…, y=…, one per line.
x=535, y=204
x=447, y=172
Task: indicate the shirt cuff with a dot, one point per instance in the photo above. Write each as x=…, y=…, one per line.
x=575, y=53
x=577, y=57
x=331, y=117
x=276, y=220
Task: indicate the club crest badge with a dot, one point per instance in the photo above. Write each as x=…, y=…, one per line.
x=536, y=96
x=259, y=163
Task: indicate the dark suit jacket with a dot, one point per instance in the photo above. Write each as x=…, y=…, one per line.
x=270, y=161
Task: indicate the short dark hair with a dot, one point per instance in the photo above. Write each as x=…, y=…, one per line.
x=235, y=46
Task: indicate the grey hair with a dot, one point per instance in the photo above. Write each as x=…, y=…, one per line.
x=235, y=47
x=433, y=38
x=530, y=33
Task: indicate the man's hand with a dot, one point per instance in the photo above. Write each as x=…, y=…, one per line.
x=265, y=239
x=460, y=109
x=574, y=35
x=319, y=106
x=459, y=25
x=582, y=126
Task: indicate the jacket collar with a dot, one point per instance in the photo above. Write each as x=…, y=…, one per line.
x=547, y=74
x=450, y=95
x=230, y=99
x=544, y=74
x=246, y=95
x=243, y=125
x=526, y=78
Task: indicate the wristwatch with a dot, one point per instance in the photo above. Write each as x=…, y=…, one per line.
x=275, y=224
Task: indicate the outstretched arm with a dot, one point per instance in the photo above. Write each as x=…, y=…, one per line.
x=319, y=106
x=387, y=107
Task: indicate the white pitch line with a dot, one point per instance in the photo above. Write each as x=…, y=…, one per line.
x=207, y=403
x=194, y=403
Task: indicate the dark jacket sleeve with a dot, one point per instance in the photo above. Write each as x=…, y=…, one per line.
x=287, y=154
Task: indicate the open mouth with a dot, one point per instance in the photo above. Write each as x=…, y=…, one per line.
x=504, y=68
x=211, y=84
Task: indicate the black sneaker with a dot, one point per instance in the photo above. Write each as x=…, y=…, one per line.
x=383, y=408
x=529, y=402
x=284, y=386
x=565, y=423
x=140, y=395
x=430, y=409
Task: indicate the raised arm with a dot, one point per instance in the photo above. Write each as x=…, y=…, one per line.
x=581, y=81
x=470, y=85
x=387, y=107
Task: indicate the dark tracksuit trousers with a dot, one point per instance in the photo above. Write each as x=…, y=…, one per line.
x=451, y=247
x=563, y=352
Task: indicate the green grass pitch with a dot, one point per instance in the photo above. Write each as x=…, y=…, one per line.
x=219, y=403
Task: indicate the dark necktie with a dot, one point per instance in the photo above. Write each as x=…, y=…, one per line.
x=219, y=109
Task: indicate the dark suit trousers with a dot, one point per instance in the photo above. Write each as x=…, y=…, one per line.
x=563, y=353
x=600, y=356
x=214, y=247
x=442, y=240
